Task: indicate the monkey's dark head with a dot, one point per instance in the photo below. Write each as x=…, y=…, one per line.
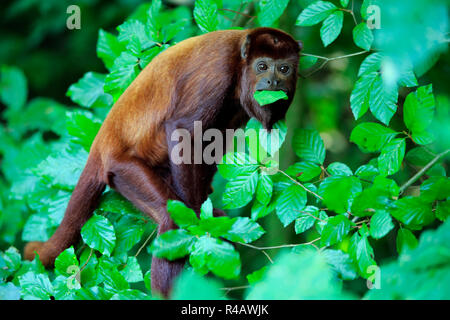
x=270, y=60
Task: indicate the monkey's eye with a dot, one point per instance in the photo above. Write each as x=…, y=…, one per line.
x=284, y=69
x=262, y=66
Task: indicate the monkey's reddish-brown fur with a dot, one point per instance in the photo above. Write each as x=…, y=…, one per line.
x=203, y=79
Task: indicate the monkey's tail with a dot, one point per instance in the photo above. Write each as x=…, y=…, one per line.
x=84, y=200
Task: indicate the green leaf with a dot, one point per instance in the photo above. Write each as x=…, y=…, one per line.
x=206, y=15
x=13, y=87
x=413, y=212
x=219, y=257
x=339, y=169
x=364, y=255
x=183, y=216
x=134, y=29
x=206, y=210
x=270, y=11
x=10, y=262
x=108, y=48
x=339, y=191
x=132, y=271
x=391, y=157
x=114, y=202
x=383, y=100
x=265, y=142
x=304, y=171
x=257, y=275
x=123, y=72
x=83, y=127
x=344, y=3
x=405, y=240
x=173, y=244
x=335, y=230
x=371, y=137
x=98, y=233
x=371, y=64
x=244, y=230
x=64, y=261
x=341, y=263
x=366, y=171
x=113, y=280
x=191, y=286
x=443, y=210
x=130, y=294
x=266, y=97
x=307, y=62
x=235, y=164
x=264, y=189
x=308, y=145
x=216, y=227
x=435, y=188
x=62, y=168
x=323, y=218
x=88, y=90
x=302, y=276
x=239, y=191
x=360, y=96
x=331, y=27
x=362, y=36
x=423, y=137
x=306, y=220
x=380, y=224
x=418, y=109
x=37, y=228
x=315, y=13
x=290, y=204
x=8, y=291
x=129, y=232
x=35, y=286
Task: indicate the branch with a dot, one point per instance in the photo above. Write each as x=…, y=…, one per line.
x=326, y=60
x=422, y=171
x=301, y=185
x=145, y=242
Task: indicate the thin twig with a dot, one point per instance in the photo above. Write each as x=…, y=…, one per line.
x=301, y=185
x=237, y=12
x=326, y=59
x=278, y=247
x=145, y=243
x=309, y=214
x=422, y=171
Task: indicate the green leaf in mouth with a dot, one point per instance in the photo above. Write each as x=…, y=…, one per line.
x=267, y=97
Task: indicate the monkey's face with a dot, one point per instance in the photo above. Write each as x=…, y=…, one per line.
x=270, y=58
x=270, y=74
x=273, y=75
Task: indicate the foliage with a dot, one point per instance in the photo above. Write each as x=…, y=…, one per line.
x=347, y=208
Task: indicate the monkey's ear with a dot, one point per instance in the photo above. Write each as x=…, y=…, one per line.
x=300, y=45
x=245, y=47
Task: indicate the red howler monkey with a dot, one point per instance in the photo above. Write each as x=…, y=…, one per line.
x=209, y=78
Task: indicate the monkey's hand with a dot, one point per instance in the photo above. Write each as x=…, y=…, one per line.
x=46, y=254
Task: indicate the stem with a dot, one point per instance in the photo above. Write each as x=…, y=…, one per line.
x=145, y=243
x=278, y=247
x=326, y=60
x=235, y=288
x=301, y=185
x=422, y=171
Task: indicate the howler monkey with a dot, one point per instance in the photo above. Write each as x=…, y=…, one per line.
x=209, y=78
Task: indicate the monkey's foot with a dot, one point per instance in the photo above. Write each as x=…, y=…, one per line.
x=46, y=255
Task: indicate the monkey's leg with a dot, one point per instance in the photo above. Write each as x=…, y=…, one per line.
x=141, y=185
x=82, y=203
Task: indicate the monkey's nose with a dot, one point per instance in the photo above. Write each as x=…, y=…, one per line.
x=273, y=82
